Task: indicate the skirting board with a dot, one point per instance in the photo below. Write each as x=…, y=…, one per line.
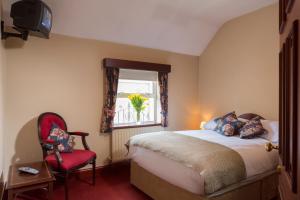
x=263, y=188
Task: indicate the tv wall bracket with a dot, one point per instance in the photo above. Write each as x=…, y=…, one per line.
x=22, y=33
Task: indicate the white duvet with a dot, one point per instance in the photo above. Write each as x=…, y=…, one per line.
x=257, y=160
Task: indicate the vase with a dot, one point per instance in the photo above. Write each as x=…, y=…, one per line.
x=138, y=118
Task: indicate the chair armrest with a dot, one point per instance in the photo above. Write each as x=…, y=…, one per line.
x=83, y=135
x=79, y=133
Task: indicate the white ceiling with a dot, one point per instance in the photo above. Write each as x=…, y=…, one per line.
x=182, y=26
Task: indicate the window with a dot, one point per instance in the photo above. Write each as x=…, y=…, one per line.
x=142, y=78
x=144, y=84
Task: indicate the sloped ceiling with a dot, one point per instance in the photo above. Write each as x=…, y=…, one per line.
x=182, y=26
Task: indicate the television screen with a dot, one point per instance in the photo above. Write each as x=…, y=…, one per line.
x=47, y=19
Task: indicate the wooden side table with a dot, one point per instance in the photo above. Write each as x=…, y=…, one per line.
x=22, y=182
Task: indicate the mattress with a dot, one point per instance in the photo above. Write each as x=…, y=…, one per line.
x=257, y=160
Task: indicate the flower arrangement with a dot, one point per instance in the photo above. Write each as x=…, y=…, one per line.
x=138, y=103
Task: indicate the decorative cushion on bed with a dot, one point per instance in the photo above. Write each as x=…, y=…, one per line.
x=229, y=124
x=58, y=135
x=211, y=124
x=243, y=120
x=252, y=128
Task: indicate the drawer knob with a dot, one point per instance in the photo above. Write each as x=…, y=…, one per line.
x=279, y=168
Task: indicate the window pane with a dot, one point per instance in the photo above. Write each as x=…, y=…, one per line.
x=133, y=86
x=125, y=113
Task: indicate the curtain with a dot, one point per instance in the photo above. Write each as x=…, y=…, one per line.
x=163, y=84
x=111, y=89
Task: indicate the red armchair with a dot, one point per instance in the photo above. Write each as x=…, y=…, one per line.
x=63, y=163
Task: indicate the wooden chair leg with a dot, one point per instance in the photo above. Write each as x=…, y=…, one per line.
x=66, y=186
x=94, y=171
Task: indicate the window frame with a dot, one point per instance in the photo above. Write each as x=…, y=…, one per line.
x=136, y=65
x=137, y=126
x=153, y=95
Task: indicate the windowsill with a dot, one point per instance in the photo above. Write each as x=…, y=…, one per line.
x=136, y=126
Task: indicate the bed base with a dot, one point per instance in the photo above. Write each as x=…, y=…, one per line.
x=261, y=187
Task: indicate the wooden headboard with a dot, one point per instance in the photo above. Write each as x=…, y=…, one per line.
x=250, y=116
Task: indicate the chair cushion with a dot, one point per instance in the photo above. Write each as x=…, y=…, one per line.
x=66, y=142
x=71, y=160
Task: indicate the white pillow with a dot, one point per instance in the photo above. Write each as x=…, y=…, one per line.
x=273, y=130
x=210, y=125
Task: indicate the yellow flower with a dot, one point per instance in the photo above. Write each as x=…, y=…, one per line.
x=137, y=101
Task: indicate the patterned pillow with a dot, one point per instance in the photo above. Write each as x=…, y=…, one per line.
x=229, y=124
x=219, y=122
x=252, y=128
x=66, y=141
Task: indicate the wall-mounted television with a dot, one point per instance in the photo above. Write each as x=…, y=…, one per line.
x=33, y=16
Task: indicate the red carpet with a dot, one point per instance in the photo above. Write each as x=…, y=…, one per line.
x=112, y=184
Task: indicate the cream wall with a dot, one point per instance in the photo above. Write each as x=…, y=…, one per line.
x=64, y=75
x=2, y=71
x=2, y=57
x=239, y=69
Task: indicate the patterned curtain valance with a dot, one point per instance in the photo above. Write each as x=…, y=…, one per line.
x=137, y=65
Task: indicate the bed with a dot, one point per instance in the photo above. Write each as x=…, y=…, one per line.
x=163, y=178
